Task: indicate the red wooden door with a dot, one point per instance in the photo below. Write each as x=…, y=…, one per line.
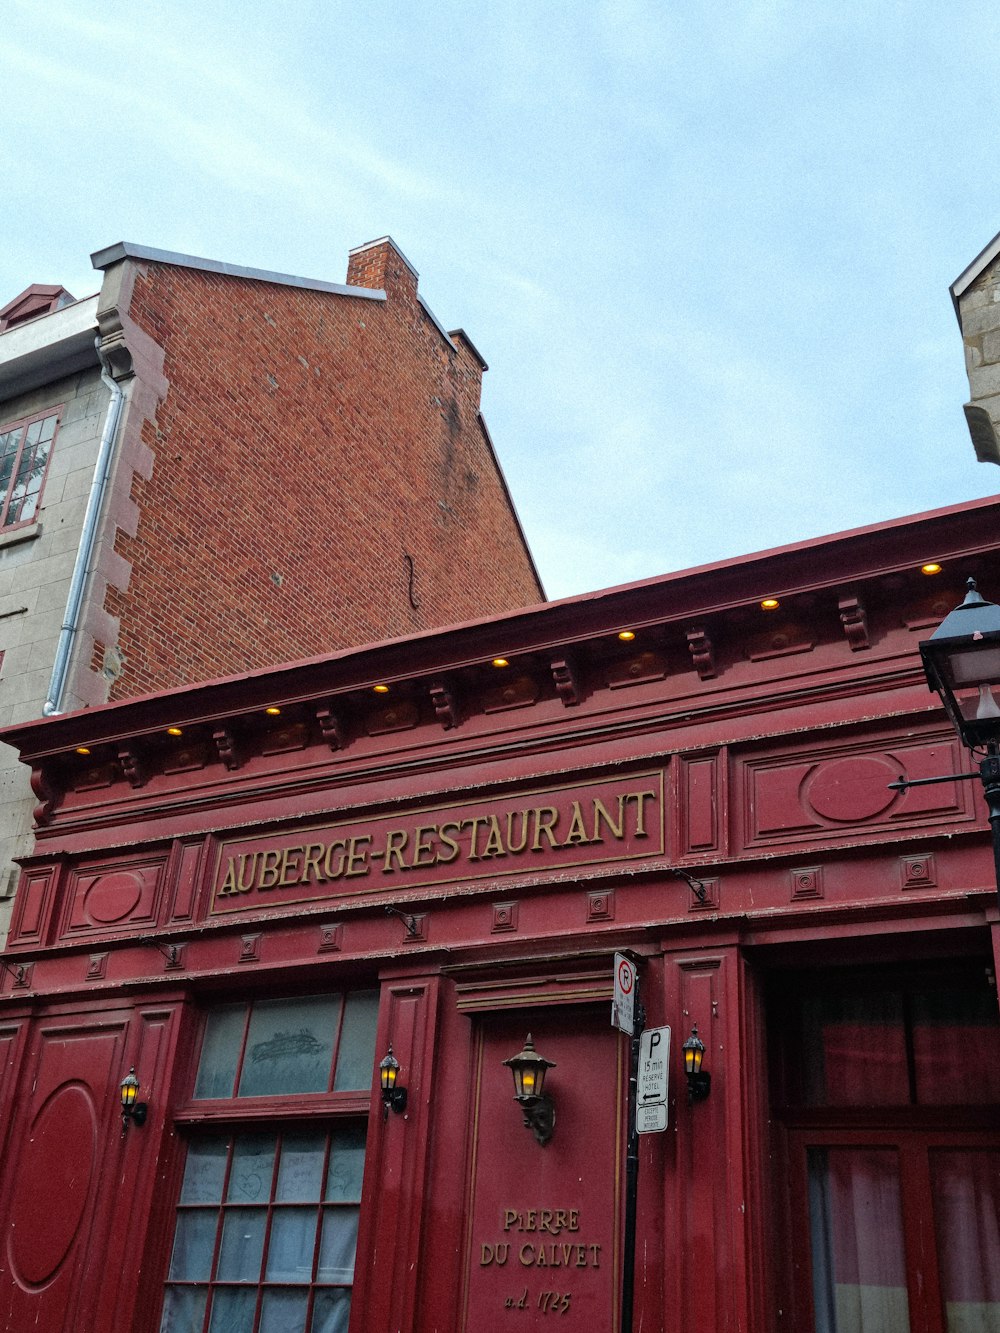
x=544, y=1222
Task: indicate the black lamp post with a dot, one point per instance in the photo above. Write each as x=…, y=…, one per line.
x=962, y=663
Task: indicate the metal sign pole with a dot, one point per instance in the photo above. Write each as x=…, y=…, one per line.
x=631, y=1169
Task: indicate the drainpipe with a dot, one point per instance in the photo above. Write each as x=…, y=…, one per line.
x=85, y=551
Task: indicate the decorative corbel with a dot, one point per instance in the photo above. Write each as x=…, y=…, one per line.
x=855, y=622
x=702, y=652
x=331, y=727
x=128, y=757
x=47, y=794
x=445, y=704
x=567, y=681
x=225, y=744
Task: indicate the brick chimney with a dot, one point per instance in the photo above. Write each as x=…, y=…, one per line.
x=976, y=296
x=381, y=265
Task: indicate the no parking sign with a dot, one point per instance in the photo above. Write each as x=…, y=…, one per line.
x=623, y=1004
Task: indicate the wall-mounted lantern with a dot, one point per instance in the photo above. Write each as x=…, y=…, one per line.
x=393, y=1094
x=699, y=1080
x=528, y=1068
x=131, y=1108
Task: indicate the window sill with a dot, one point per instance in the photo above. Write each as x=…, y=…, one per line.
x=16, y=536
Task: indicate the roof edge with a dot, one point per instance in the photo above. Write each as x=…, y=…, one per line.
x=112, y=254
x=968, y=276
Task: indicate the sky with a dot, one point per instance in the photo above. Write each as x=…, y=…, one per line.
x=705, y=249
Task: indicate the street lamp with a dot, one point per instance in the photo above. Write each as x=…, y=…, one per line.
x=962, y=664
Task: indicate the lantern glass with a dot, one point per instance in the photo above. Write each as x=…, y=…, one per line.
x=962, y=664
x=528, y=1069
x=694, y=1053
x=389, y=1072
x=130, y=1090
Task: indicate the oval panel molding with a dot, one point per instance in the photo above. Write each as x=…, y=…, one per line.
x=851, y=789
x=52, y=1186
x=113, y=897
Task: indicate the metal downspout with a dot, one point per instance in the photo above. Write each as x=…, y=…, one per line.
x=85, y=551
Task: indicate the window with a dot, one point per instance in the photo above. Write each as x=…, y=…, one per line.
x=267, y=1221
x=24, y=456
x=885, y=1092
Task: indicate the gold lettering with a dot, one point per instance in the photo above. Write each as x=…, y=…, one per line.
x=509, y=1218
x=357, y=856
x=474, y=824
x=574, y=1220
x=527, y=1255
x=545, y=826
x=421, y=845
x=494, y=841
x=449, y=841
x=560, y=1220
x=640, y=811
x=581, y=1256
x=540, y=1259
x=601, y=811
x=337, y=844
x=395, y=842
x=545, y=1221
x=523, y=841
x=245, y=878
x=291, y=871
x=577, y=832
x=529, y=1218
x=595, y=1255
x=310, y=862
x=269, y=869
x=228, y=885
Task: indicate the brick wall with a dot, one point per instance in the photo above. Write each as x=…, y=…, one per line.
x=320, y=478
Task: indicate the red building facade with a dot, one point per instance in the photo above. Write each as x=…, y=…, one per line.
x=252, y=891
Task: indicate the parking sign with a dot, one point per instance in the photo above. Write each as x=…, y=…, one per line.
x=623, y=1005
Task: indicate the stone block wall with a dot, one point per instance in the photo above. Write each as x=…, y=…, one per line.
x=36, y=564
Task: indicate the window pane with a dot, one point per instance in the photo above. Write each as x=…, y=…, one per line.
x=347, y=1165
x=956, y=1047
x=289, y=1047
x=290, y=1248
x=194, y=1241
x=859, y=1270
x=183, y=1310
x=356, y=1056
x=48, y=429
x=204, y=1172
x=854, y=1050
x=331, y=1312
x=284, y=1312
x=220, y=1052
x=338, y=1244
x=268, y=1229
x=300, y=1174
x=966, y=1189
x=242, y=1244
x=253, y=1167
x=232, y=1311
